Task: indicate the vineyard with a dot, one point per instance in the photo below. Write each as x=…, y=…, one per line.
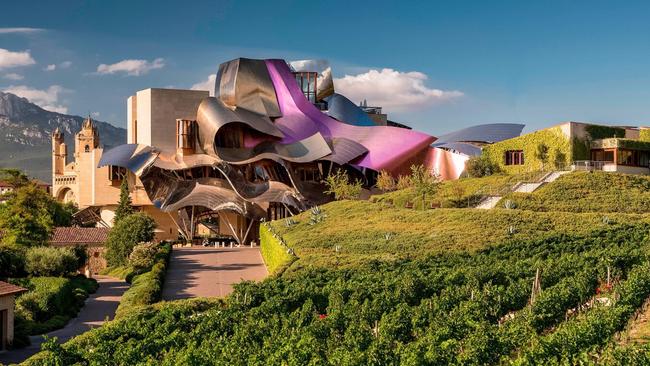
x=430, y=287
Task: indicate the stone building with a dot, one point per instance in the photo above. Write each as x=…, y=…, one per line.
x=96, y=190
x=8, y=294
x=92, y=238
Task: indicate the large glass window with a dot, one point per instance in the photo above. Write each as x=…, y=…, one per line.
x=307, y=83
x=514, y=157
x=626, y=157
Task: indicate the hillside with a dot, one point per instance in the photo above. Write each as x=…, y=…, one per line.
x=25, y=131
x=589, y=192
x=375, y=284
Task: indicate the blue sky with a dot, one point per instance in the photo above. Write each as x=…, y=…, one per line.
x=448, y=64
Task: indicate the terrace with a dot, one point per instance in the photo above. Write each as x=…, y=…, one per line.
x=618, y=155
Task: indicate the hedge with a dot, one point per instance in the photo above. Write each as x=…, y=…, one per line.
x=275, y=255
x=146, y=288
x=49, y=304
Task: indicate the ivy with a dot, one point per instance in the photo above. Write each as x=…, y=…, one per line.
x=560, y=150
x=597, y=132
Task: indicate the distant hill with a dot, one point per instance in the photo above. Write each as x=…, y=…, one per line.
x=25, y=131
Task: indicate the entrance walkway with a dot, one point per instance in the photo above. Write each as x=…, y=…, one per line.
x=210, y=272
x=99, y=306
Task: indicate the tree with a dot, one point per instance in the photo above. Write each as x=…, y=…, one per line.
x=542, y=154
x=14, y=177
x=124, y=207
x=480, y=166
x=385, y=181
x=27, y=217
x=340, y=186
x=560, y=159
x=51, y=261
x=424, y=181
x=126, y=234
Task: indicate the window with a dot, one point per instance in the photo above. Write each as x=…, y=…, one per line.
x=87, y=148
x=514, y=157
x=116, y=173
x=309, y=173
x=307, y=83
x=185, y=134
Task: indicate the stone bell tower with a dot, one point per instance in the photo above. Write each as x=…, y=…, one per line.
x=59, y=153
x=87, y=139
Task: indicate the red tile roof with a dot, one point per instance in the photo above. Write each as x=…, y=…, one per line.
x=79, y=235
x=9, y=289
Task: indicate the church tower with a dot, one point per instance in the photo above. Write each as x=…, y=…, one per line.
x=87, y=139
x=59, y=153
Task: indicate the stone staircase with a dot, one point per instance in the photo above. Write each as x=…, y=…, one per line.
x=490, y=201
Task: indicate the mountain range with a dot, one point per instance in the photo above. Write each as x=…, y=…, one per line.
x=26, y=130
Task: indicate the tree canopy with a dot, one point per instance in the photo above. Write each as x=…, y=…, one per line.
x=124, y=207
x=126, y=234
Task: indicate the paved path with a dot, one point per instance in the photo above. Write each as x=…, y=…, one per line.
x=210, y=272
x=99, y=306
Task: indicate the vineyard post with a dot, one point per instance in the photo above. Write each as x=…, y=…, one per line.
x=536, y=287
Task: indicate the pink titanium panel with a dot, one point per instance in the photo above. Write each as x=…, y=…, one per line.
x=446, y=164
x=388, y=147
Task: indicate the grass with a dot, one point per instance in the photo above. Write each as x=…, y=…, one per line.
x=366, y=231
x=459, y=193
x=589, y=192
x=121, y=272
x=275, y=255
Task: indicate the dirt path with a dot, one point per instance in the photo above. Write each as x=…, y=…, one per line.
x=99, y=306
x=210, y=272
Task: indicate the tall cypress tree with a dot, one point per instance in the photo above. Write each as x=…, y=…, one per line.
x=124, y=208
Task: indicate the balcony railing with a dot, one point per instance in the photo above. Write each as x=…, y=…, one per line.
x=589, y=165
x=65, y=179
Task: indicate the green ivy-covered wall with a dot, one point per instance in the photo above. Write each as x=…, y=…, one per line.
x=560, y=150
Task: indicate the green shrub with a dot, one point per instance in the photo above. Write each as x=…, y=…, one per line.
x=50, y=302
x=143, y=255
x=12, y=261
x=126, y=234
x=146, y=288
x=340, y=186
x=51, y=261
x=481, y=166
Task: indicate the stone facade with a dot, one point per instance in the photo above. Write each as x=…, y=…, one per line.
x=82, y=182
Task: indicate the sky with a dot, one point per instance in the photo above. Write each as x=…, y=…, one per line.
x=434, y=65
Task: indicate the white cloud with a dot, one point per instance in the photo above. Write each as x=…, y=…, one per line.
x=14, y=76
x=309, y=65
x=51, y=67
x=65, y=64
x=131, y=67
x=95, y=114
x=14, y=59
x=207, y=84
x=392, y=89
x=47, y=99
x=20, y=30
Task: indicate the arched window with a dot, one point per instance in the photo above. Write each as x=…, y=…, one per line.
x=87, y=148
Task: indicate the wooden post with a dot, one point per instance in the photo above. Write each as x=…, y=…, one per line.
x=608, y=277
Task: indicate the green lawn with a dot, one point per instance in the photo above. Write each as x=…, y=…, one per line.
x=365, y=231
x=589, y=192
x=459, y=193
